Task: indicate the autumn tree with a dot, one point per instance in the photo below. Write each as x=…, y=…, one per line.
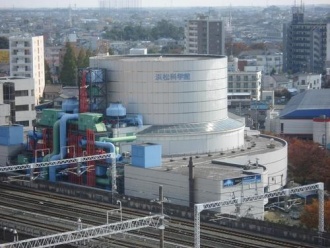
x=69, y=67
x=307, y=162
x=235, y=48
x=310, y=215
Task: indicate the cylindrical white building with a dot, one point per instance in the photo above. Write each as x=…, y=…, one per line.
x=183, y=98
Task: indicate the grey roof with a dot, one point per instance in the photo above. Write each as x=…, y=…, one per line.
x=193, y=128
x=280, y=78
x=52, y=88
x=310, y=103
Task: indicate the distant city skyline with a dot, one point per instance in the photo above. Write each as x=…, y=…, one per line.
x=152, y=3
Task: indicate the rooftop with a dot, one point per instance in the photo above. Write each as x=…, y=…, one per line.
x=146, y=58
x=308, y=104
x=226, y=164
x=193, y=128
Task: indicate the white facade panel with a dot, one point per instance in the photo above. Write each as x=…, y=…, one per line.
x=27, y=58
x=275, y=161
x=321, y=131
x=170, y=81
x=140, y=182
x=296, y=126
x=4, y=114
x=198, y=143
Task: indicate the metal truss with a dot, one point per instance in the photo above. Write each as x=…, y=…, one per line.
x=88, y=233
x=56, y=162
x=198, y=208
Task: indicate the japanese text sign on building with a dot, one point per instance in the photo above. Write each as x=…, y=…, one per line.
x=172, y=76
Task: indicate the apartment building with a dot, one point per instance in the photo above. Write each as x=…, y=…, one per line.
x=308, y=81
x=305, y=44
x=205, y=36
x=242, y=81
x=17, y=97
x=269, y=60
x=27, y=60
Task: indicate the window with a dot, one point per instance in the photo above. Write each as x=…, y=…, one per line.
x=32, y=107
x=303, y=82
x=22, y=107
x=246, y=78
x=230, y=78
x=21, y=93
x=32, y=92
x=230, y=85
x=23, y=123
x=246, y=85
x=238, y=85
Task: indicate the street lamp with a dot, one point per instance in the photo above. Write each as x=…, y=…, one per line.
x=121, y=210
x=42, y=152
x=15, y=234
x=115, y=211
x=4, y=233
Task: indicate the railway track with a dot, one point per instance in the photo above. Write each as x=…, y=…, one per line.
x=178, y=232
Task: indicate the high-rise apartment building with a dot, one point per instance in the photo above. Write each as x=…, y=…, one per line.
x=27, y=60
x=205, y=36
x=304, y=44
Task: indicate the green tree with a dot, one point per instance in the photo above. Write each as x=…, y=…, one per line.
x=48, y=75
x=69, y=67
x=81, y=58
x=4, y=43
x=88, y=54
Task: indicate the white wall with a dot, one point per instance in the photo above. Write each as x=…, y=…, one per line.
x=4, y=114
x=321, y=128
x=297, y=126
x=197, y=143
x=140, y=182
x=168, y=90
x=276, y=162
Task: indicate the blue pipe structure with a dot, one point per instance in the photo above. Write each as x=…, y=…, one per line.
x=57, y=156
x=56, y=148
x=107, y=145
x=34, y=135
x=63, y=121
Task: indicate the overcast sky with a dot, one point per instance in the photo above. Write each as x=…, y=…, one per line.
x=150, y=3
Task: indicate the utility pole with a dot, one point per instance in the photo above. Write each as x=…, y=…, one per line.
x=161, y=227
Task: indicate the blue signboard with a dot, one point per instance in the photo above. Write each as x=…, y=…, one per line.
x=241, y=180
